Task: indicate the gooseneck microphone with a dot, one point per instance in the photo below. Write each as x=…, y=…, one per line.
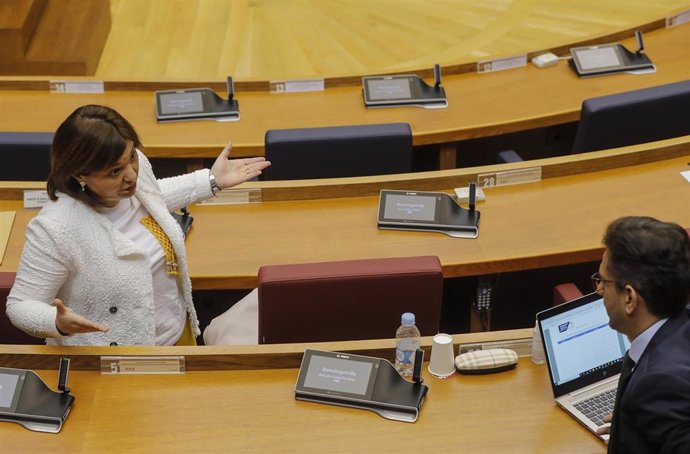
x=231, y=89
x=63, y=375
x=640, y=44
x=417, y=371
x=437, y=75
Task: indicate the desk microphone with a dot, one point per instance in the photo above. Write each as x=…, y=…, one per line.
x=417, y=371
x=231, y=89
x=473, y=195
x=640, y=44
x=437, y=76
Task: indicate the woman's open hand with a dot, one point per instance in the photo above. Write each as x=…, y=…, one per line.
x=231, y=172
x=69, y=322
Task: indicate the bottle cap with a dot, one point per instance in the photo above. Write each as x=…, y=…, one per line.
x=407, y=319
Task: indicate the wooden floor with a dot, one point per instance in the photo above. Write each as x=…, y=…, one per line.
x=288, y=39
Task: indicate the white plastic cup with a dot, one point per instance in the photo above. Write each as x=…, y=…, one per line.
x=442, y=362
x=538, y=356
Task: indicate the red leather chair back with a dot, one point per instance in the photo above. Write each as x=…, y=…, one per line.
x=348, y=300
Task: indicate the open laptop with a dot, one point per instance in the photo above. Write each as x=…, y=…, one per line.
x=584, y=356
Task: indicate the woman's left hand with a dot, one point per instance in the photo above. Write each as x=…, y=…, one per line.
x=230, y=172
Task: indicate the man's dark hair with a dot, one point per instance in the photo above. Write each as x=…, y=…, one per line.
x=91, y=139
x=654, y=258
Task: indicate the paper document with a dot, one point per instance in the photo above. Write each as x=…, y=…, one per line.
x=6, y=221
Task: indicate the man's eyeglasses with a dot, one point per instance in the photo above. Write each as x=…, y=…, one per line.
x=597, y=280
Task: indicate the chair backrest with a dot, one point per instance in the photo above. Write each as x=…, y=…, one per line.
x=634, y=117
x=343, y=151
x=25, y=156
x=8, y=333
x=348, y=300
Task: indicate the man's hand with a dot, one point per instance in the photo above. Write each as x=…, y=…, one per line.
x=603, y=430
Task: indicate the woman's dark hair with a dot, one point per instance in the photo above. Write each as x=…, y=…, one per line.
x=654, y=258
x=91, y=139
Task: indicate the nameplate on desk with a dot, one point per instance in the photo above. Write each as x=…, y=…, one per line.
x=505, y=178
x=234, y=197
x=677, y=19
x=35, y=199
x=74, y=86
x=296, y=86
x=499, y=64
x=134, y=365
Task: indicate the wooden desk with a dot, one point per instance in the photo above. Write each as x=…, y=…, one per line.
x=479, y=105
x=553, y=222
x=255, y=411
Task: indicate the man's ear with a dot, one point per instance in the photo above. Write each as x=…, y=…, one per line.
x=632, y=300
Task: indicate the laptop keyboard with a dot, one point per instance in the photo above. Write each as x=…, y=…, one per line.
x=598, y=406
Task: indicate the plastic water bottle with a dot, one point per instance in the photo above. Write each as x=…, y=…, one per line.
x=406, y=344
x=538, y=356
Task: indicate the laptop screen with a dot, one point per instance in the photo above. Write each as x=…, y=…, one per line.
x=580, y=346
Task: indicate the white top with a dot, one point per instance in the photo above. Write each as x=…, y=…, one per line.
x=167, y=300
x=74, y=253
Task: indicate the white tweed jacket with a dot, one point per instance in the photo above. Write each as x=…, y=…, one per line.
x=75, y=254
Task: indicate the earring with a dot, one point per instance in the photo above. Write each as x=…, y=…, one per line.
x=83, y=186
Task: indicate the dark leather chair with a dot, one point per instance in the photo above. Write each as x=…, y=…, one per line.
x=8, y=333
x=629, y=118
x=348, y=300
x=25, y=156
x=342, y=151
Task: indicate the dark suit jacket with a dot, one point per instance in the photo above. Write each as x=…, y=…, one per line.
x=654, y=415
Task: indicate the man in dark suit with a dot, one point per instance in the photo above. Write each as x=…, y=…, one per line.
x=644, y=278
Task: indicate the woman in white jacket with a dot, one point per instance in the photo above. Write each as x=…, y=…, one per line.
x=104, y=262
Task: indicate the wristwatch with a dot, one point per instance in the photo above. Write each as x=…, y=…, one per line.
x=212, y=181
